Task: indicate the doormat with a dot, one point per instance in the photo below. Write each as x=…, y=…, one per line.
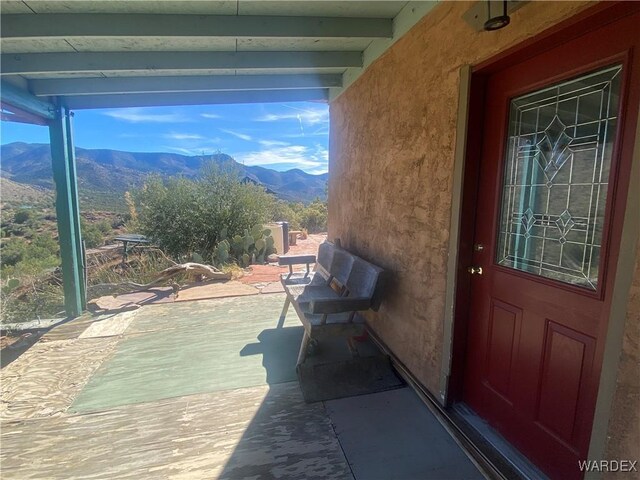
x=333, y=372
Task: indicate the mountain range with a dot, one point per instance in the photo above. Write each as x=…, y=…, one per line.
x=104, y=175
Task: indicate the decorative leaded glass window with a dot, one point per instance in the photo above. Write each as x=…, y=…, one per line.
x=558, y=159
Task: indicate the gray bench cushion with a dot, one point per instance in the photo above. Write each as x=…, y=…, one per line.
x=303, y=294
x=363, y=278
x=355, y=279
x=302, y=278
x=341, y=265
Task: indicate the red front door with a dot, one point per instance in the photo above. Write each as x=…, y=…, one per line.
x=557, y=144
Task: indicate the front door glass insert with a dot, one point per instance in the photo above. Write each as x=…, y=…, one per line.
x=554, y=192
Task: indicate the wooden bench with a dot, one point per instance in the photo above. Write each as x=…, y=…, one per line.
x=328, y=298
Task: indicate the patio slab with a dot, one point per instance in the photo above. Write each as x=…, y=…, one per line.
x=203, y=390
x=392, y=435
x=196, y=347
x=158, y=295
x=260, y=433
x=45, y=379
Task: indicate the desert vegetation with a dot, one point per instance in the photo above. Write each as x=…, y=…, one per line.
x=213, y=218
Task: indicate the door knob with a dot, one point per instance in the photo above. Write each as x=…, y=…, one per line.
x=475, y=270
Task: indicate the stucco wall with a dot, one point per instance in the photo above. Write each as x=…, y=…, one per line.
x=391, y=164
x=624, y=424
x=390, y=191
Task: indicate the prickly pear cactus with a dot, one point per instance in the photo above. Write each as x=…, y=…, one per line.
x=261, y=247
x=270, y=248
x=222, y=252
x=245, y=260
x=237, y=246
x=256, y=232
x=248, y=243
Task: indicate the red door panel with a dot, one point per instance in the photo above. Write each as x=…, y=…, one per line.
x=557, y=144
x=504, y=328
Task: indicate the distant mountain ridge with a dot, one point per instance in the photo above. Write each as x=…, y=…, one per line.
x=104, y=172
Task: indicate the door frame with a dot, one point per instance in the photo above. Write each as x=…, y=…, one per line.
x=466, y=180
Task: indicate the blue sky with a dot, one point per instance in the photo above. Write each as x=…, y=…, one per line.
x=279, y=136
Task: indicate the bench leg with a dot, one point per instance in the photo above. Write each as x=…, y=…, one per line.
x=283, y=315
x=353, y=349
x=302, y=355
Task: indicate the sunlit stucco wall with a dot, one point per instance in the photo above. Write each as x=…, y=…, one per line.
x=393, y=134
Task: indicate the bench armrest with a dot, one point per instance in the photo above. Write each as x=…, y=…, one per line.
x=339, y=305
x=297, y=259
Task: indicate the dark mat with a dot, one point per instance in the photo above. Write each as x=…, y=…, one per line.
x=358, y=376
x=334, y=372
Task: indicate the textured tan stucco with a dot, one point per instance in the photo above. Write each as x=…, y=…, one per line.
x=391, y=164
x=624, y=425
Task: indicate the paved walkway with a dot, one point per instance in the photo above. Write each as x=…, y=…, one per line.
x=202, y=389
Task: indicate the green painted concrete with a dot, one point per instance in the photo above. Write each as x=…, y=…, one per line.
x=186, y=348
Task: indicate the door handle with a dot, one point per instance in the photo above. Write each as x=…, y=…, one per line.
x=475, y=270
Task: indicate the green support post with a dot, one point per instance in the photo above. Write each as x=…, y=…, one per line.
x=64, y=176
x=73, y=175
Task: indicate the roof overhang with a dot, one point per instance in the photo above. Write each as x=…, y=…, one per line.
x=98, y=54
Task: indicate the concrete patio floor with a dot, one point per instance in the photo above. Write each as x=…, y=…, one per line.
x=204, y=389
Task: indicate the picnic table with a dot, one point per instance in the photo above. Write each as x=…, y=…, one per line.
x=130, y=238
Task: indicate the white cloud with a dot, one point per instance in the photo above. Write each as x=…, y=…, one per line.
x=273, y=143
x=210, y=115
x=131, y=135
x=312, y=160
x=183, y=136
x=193, y=149
x=239, y=135
x=141, y=115
x=184, y=151
x=303, y=115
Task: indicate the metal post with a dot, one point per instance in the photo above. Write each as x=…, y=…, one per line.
x=68, y=221
x=73, y=184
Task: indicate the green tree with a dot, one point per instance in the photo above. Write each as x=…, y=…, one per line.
x=184, y=216
x=313, y=217
x=287, y=212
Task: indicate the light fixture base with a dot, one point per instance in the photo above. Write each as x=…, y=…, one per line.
x=496, y=23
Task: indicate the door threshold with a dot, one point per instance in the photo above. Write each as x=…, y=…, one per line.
x=505, y=457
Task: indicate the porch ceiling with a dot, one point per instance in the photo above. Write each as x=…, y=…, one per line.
x=94, y=54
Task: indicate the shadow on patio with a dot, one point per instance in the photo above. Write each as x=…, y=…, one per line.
x=203, y=389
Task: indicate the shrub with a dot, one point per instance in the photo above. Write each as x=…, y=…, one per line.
x=22, y=258
x=313, y=217
x=184, y=216
x=284, y=211
x=104, y=226
x=91, y=234
x=22, y=216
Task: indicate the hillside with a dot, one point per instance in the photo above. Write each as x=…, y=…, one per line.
x=13, y=193
x=104, y=175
